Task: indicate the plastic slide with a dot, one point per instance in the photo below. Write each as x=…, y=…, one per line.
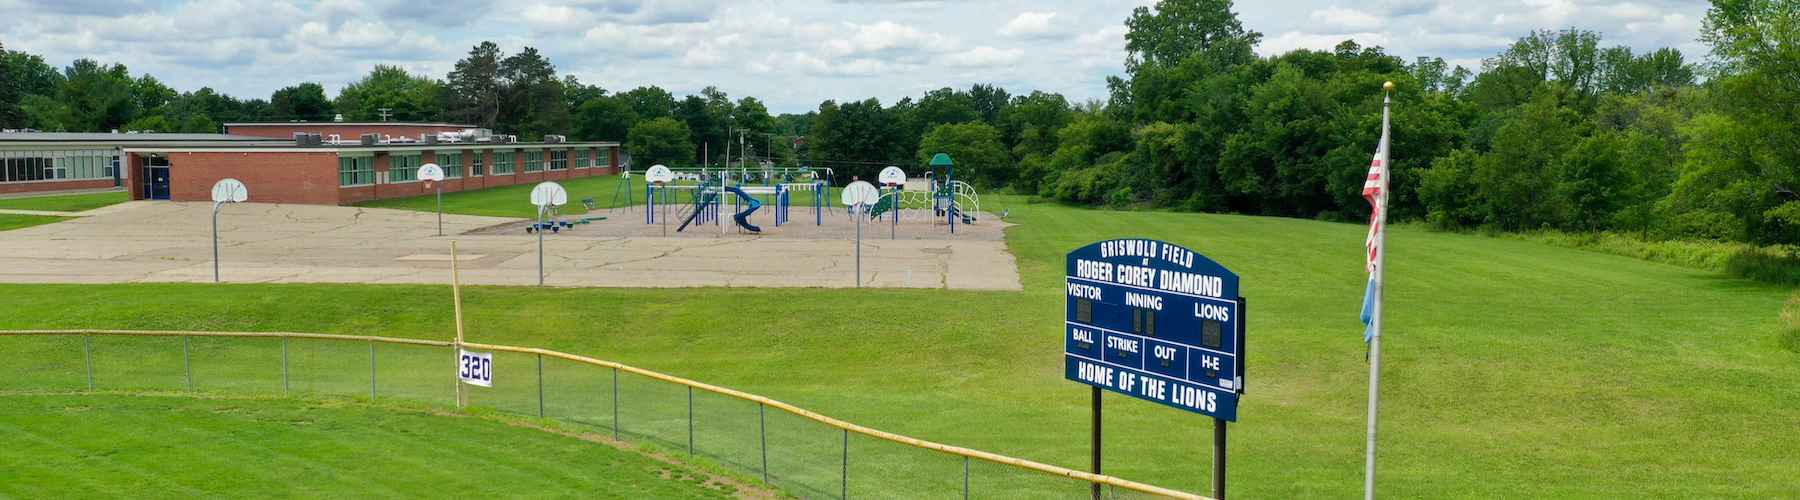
x=743, y=218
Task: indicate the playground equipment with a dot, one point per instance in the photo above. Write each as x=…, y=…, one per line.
x=817, y=179
x=743, y=218
x=705, y=201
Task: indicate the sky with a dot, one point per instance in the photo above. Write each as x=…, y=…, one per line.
x=791, y=54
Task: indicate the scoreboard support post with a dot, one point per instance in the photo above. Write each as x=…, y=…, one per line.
x=1219, y=458
x=1096, y=440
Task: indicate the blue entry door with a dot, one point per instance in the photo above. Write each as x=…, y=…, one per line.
x=156, y=186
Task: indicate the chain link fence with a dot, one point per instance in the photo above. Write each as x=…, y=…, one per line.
x=807, y=455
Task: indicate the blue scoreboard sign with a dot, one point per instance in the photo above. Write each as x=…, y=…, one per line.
x=1157, y=322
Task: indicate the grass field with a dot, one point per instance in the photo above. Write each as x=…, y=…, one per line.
x=515, y=200
x=1511, y=368
x=130, y=446
x=66, y=203
x=15, y=221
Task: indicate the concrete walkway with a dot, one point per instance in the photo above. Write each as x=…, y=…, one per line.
x=160, y=241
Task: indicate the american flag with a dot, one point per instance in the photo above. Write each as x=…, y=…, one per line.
x=1375, y=189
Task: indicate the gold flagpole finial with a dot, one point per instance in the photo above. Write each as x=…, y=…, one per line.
x=1389, y=86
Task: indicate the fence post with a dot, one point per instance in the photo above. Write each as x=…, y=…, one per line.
x=965, y=477
x=87, y=350
x=846, y=491
x=762, y=425
x=371, y=370
x=690, y=420
x=615, y=421
x=187, y=362
x=540, y=386
x=284, y=367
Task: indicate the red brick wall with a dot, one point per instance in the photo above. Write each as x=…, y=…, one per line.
x=271, y=177
x=346, y=132
x=312, y=177
x=22, y=187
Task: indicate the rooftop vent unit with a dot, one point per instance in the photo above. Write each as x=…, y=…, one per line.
x=371, y=139
x=315, y=139
x=555, y=139
x=428, y=138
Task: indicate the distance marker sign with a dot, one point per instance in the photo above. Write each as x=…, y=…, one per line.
x=1157, y=322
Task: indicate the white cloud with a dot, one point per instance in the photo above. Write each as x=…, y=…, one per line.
x=1295, y=40
x=555, y=18
x=881, y=37
x=984, y=56
x=1038, y=25
x=1341, y=20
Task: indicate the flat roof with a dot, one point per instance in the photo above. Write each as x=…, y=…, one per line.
x=107, y=137
x=390, y=124
x=348, y=147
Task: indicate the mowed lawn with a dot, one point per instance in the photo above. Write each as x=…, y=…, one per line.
x=1511, y=369
x=66, y=203
x=15, y=221
x=515, y=200
x=117, y=446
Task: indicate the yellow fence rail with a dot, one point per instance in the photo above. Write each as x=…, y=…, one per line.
x=1089, y=477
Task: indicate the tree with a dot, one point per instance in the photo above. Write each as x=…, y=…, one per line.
x=1029, y=124
x=151, y=95
x=989, y=101
x=305, y=101
x=605, y=119
x=976, y=149
x=750, y=114
x=1517, y=180
x=474, y=89
x=98, y=97
x=856, y=131
x=1179, y=29
x=578, y=93
x=650, y=102
x=406, y=97
x=943, y=106
x=532, y=103
x=660, y=141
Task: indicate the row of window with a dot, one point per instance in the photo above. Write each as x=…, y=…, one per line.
x=360, y=170
x=68, y=164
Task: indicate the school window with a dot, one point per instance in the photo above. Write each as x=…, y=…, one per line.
x=581, y=158
x=503, y=163
x=356, y=171
x=534, y=161
x=25, y=166
x=403, y=168
x=475, y=166
x=451, y=163
x=559, y=159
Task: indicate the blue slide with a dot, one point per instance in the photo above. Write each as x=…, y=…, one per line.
x=743, y=218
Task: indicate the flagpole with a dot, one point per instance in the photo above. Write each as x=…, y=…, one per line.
x=1380, y=285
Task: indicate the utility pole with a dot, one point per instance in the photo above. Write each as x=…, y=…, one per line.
x=385, y=113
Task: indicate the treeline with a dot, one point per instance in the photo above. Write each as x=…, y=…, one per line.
x=1557, y=131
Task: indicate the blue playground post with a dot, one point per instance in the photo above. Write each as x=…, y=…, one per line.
x=949, y=186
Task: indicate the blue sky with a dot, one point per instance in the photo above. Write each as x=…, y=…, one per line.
x=792, y=54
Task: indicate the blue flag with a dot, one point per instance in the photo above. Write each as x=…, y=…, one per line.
x=1368, y=311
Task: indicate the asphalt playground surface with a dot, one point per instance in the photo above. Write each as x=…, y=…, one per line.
x=162, y=241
